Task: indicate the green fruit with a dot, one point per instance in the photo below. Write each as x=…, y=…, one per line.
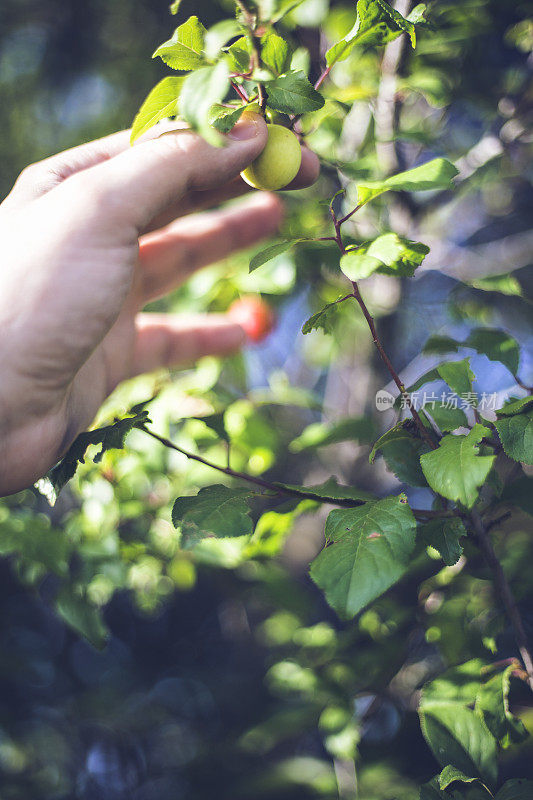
x=279, y=162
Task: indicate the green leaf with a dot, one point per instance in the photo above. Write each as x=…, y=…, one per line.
x=75, y=609
x=216, y=512
x=215, y=422
x=185, y=50
x=272, y=252
x=224, y=119
x=492, y=703
x=402, y=448
x=456, y=685
x=283, y=7
x=320, y=434
x=330, y=489
x=438, y=345
x=451, y=774
x=238, y=55
x=376, y=24
x=367, y=551
x=219, y=34
x=455, y=469
x=515, y=406
x=389, y=254
x=161, y=103
x=517, y=789
x=497, y=346
x=458, y=736
x=472, y=791
x=201, y=90
x=436, y=174
x=275, y=53
x=110, y=437
x=457, y=374
x=292, y=93
x=516, y=436
x=323, y=320
x=447, y=418
x=444, y=535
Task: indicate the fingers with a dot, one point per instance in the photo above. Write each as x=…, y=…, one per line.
x=40, y=178
x=140, y=183
x=197, y=201
x=169, y=256
x=166, y=341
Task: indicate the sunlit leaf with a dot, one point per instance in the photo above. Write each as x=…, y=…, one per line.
x=389, y=254
x=436, y=174
x=367, y=551
x=455, y=469
x=292, y=93
x=185, y=50
x=161, y=103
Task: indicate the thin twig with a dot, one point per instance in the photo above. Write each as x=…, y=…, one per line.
x=505, y=593
x=279, y=489
x=240, y=91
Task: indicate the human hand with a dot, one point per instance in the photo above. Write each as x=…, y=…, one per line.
x=89, y=237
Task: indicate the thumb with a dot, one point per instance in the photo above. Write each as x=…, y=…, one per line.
x=141, y=182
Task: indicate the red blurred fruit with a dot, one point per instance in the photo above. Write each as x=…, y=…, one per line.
x=254, y=316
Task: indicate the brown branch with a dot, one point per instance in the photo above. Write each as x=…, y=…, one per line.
x=279, y=489
x=504, y=591
x=240, y=91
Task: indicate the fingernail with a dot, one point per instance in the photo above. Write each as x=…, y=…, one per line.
x=246, y=128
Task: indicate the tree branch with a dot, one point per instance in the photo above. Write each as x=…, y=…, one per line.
x=505, y=593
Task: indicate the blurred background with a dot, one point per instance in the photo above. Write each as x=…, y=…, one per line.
x=235, y=678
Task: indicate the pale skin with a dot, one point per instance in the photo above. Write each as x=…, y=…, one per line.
x=89, y=237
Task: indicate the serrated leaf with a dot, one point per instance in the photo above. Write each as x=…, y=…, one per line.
x=436, y=174
x=271, y=252
x=185, y=50
x=161, y=103
x=219, y=35
x=292, y=93
x=516, y=436
x=216, y=511
x=516, y=789
x=492, y=703
x=320, y=434
x=201, y=90
x=515, y=406
x=84, y=618
x=444, y=535
x=367, y=551
x=402, y=448
x=458, y=736
x=455, y=469
x=389, y=254
x=451, y=774
x=275, y=53
x=377, y=23
x=110, y=437
x=323, y=320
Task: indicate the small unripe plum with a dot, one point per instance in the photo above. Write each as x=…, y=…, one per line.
x=279, y=162
x=254, y=316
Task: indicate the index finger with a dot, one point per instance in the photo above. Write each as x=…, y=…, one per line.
x=140, y=183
